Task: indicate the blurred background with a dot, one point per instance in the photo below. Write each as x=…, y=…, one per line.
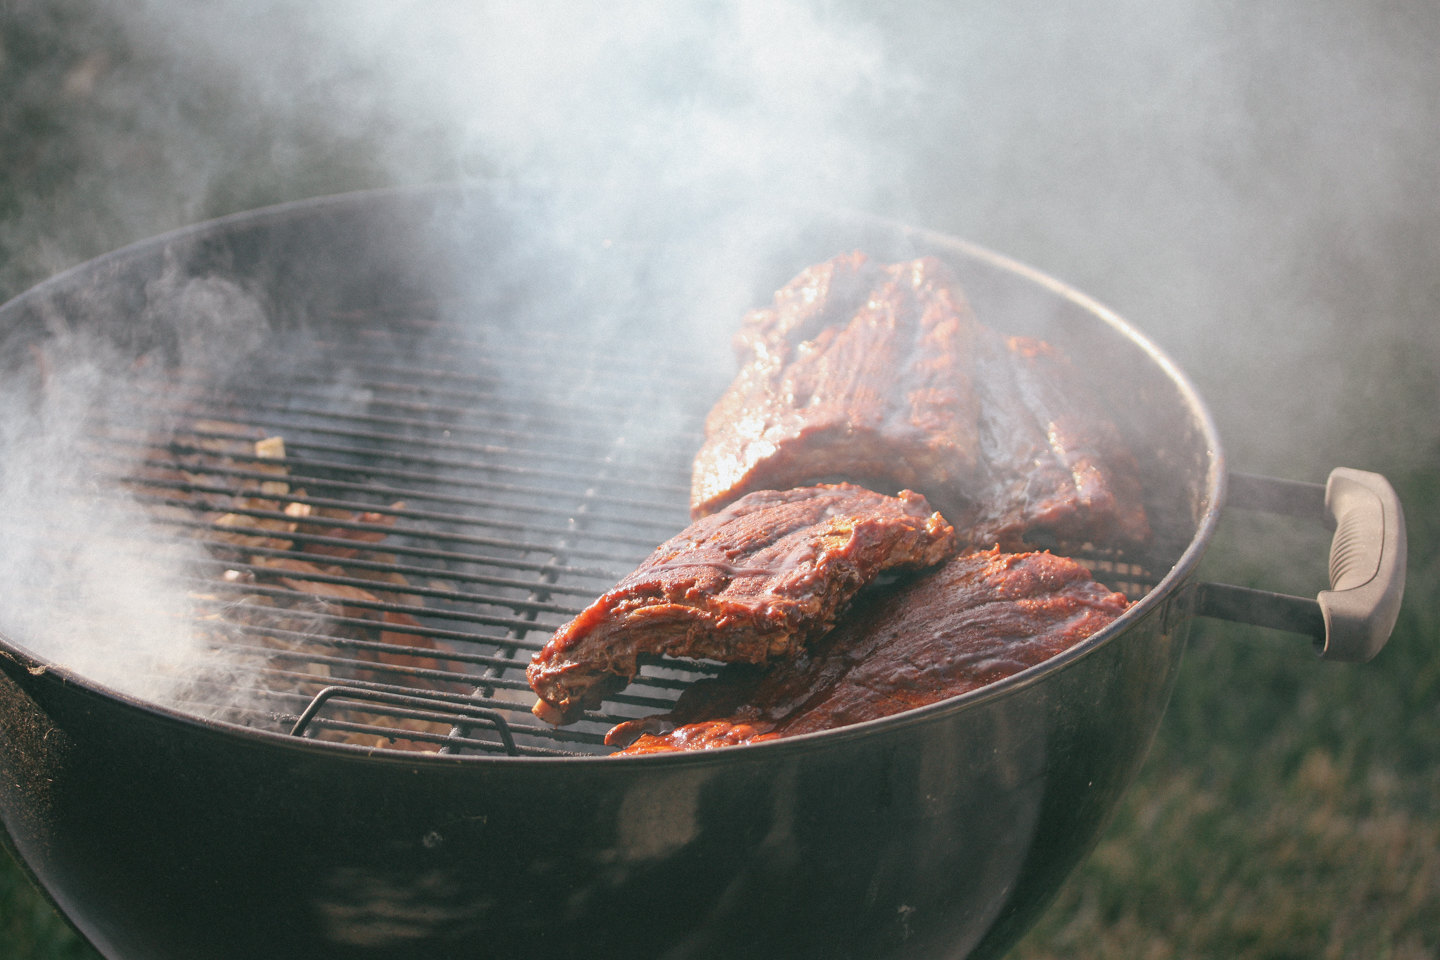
x=1255, y=185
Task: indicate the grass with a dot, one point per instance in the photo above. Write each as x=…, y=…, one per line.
x=30, y=929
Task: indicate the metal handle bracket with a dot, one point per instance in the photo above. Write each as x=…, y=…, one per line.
x=1351, y=621
x=470, y=712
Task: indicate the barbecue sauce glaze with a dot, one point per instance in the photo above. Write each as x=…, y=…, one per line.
x=752, y=583
x=982, y=617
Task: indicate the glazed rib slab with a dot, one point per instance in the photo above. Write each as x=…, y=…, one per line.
x=982, y=617
x=752, y=583
x=858, y=370
x=881, y=375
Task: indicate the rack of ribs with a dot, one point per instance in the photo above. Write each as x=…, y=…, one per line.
x=882, y=376
x=982, y=617
x=1051, y=459
x=858, y=370
x=752, y=583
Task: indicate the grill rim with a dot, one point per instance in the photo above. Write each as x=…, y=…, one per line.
x=1153, y=603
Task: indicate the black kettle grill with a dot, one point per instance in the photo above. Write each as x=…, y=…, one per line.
x=479, y=429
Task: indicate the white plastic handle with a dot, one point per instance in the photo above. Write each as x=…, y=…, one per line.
x=1351, y=621
x=1367, y=565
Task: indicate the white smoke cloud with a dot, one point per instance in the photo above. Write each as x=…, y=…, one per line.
x=1253, y=187
x=760, y=101
x=83, y=586
x=625, y=93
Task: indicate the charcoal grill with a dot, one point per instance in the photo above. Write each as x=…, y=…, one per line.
x=426, y=464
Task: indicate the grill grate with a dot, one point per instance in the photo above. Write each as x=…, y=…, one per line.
x=438, y=501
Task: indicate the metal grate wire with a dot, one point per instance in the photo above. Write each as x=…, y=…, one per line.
x=443, y=503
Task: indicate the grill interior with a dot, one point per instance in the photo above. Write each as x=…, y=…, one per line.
x=399, y=496
x=399, y=510
x=405, y=510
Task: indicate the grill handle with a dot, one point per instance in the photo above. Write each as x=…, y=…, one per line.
x=1351, y=621
x=428, y=702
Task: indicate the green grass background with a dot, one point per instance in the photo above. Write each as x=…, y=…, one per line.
x=1289, y=808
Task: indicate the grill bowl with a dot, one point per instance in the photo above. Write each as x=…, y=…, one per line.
x=422, y=355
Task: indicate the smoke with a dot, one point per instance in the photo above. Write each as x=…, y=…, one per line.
x=176, y=112
x=1251, y=184
x=640, y=97
x=1254, y=185
x=85, y=587
x=67, y=556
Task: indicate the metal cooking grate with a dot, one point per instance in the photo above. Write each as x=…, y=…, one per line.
x=399, y=513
